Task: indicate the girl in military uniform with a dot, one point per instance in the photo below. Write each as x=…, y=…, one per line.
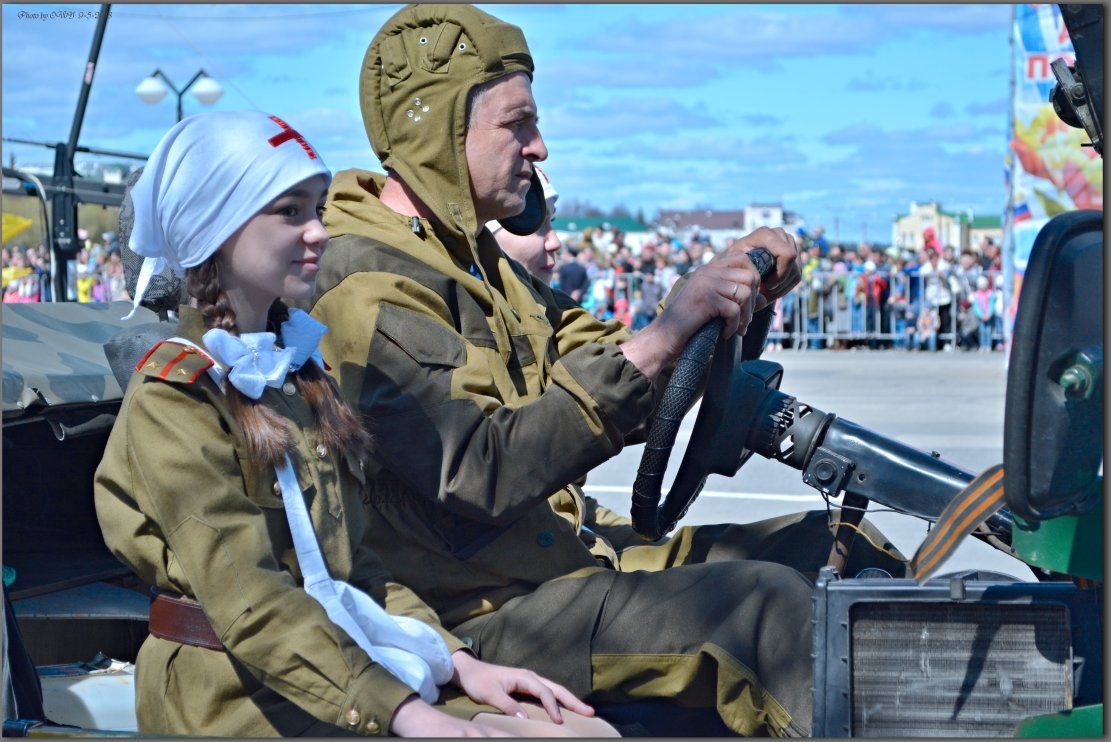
x=233, y=483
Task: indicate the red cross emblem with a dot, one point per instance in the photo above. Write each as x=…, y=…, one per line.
x=288, y=133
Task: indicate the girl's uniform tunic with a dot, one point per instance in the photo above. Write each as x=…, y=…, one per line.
x=180, y=504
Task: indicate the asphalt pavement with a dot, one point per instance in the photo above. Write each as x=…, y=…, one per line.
x=951, y=403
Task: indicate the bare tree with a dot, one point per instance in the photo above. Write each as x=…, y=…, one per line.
x=578, y=207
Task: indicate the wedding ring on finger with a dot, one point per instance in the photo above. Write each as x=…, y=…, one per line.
x=733, y=293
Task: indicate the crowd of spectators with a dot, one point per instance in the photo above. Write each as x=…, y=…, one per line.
x=926, y=299
x=613, y=280
x=26, y=271
x=929, y=299
x=94, y=274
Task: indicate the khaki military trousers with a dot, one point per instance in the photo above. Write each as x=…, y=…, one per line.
x=799, y=540
x=730, y=636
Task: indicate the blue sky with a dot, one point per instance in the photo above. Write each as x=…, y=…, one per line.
x=842, y=113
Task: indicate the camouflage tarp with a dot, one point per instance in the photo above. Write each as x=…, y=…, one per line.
x=54, y=355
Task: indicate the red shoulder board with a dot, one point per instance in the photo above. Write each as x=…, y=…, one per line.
x=173, y=361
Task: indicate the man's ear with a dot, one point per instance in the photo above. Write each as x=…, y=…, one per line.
x=536, y=211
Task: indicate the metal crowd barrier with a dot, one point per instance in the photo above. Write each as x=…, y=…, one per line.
x=840, y=315
x=821, y=313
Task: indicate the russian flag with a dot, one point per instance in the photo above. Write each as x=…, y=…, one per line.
x=1022, y=213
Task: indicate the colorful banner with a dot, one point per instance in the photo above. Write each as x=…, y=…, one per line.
x=1051, y=172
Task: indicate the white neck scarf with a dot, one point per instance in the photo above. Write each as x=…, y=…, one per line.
x=409, y=648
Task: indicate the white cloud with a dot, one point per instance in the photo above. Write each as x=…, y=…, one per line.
x=823, y=107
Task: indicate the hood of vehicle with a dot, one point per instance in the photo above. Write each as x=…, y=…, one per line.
x=54, y=354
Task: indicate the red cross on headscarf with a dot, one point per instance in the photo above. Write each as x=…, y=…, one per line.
x=288, y=133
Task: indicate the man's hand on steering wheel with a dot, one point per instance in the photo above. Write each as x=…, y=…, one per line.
x=728, y=287
x=714, y=448
x=784, y=248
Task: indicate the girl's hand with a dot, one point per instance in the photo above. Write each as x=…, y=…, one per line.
x=494, y=684
x=415, y=718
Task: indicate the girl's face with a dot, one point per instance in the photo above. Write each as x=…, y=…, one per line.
x=536, y=252
x=277, y=252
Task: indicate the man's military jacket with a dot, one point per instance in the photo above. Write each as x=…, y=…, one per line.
x=486, y=394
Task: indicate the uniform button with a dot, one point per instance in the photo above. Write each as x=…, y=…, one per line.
x=353, y=718
x=277, y=489
x=321, y=451
x=289, y=388
x=545, y=539
x=372, y=726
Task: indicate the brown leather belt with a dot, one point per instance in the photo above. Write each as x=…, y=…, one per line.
x=182, y=620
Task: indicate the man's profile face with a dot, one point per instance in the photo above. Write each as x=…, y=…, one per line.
x=502, y=142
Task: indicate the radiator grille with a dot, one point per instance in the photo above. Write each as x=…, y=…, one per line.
x=956, y=669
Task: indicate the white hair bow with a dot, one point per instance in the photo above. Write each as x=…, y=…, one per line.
x=252, y=361
x=301, y=333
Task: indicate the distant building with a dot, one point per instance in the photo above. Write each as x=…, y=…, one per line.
x=572, y=227
x=985, y=226
x=722, y=225
x=36, y=169
x=962, y=231
x=719, y=225
x=114, y=172
x=763, y=215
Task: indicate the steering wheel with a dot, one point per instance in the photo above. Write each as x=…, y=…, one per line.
x=718, y=445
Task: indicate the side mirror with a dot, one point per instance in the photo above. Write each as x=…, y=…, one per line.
x=1053, y=428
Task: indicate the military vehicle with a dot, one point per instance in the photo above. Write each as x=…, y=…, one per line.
x=965, y=654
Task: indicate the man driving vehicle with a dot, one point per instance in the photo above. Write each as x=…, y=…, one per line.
x=489, y=397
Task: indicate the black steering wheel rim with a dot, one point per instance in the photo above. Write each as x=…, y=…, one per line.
x=714, y=364
x=680, y=393
x=651, y=520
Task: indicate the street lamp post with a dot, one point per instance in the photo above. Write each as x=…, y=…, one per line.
x=205, y=89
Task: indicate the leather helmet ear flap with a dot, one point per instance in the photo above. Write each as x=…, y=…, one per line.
x=536, y=211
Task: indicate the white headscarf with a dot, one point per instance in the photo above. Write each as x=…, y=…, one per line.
x=208, y=176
